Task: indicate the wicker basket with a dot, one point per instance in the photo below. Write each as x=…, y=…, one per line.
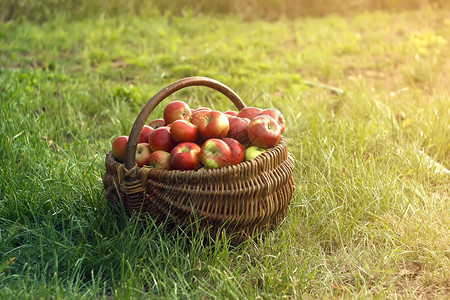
x=250, y=197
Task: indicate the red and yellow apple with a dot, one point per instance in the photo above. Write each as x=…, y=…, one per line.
x=215, y=153
x=277, y=115
x=119, y=148
x=176, y=110
x=237, y=151
x=143, y=153
x=201, y=108
x=249, y=112
x=197, y=114
x=160, y=139
x=183, y=131
x=185, y=156
x=231, y=113
x=159, y=160
x=239, y=129
x=264, y=131
x=157, y=123
x=213, y=124
x=145, y=133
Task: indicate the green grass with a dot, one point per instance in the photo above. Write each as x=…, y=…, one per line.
x=370, y=212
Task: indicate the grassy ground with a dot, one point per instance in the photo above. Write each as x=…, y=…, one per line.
x=370, y=213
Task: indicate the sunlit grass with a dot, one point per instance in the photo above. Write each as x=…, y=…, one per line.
x=370, y=213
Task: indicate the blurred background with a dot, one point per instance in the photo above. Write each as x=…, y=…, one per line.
x=40, y=10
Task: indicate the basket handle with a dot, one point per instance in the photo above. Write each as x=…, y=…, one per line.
x=164, y=93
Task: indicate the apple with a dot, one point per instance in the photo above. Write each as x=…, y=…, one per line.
x=249, y=112
x=238, y=129
x=264, y=131
x=176, y=110
x=198, y=113
x=201, y=108
x=145, y=133
x=213, y=124
x=157, y=123
x=237, y=151
x=119, y=148
x=253, y=151
x=185, y=156
x=143, y=153
x=159, y=159
x=183, y=131
x=215, y=153
x=277, y=115
x=160, y=139
x=231, y=113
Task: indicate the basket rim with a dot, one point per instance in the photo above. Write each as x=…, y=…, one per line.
x=255, y=162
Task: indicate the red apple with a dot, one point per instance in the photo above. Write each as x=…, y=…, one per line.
x=157, y=123
x=238, y=129
x=215, y=153
x=119, y=148
x=160, y=139
x=237, y=151
x=277, y=115
x=160, y=160
x=249, y=112
x=176, y=110
x=264, y=131
x=145, y=133
x=213, y=124
x=183, y=131
x=202, y=108
x=185, y=156
x=198, y=113
x=231, y=113
x=143, y=153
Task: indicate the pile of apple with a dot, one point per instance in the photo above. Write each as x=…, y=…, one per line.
x=190, y=139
